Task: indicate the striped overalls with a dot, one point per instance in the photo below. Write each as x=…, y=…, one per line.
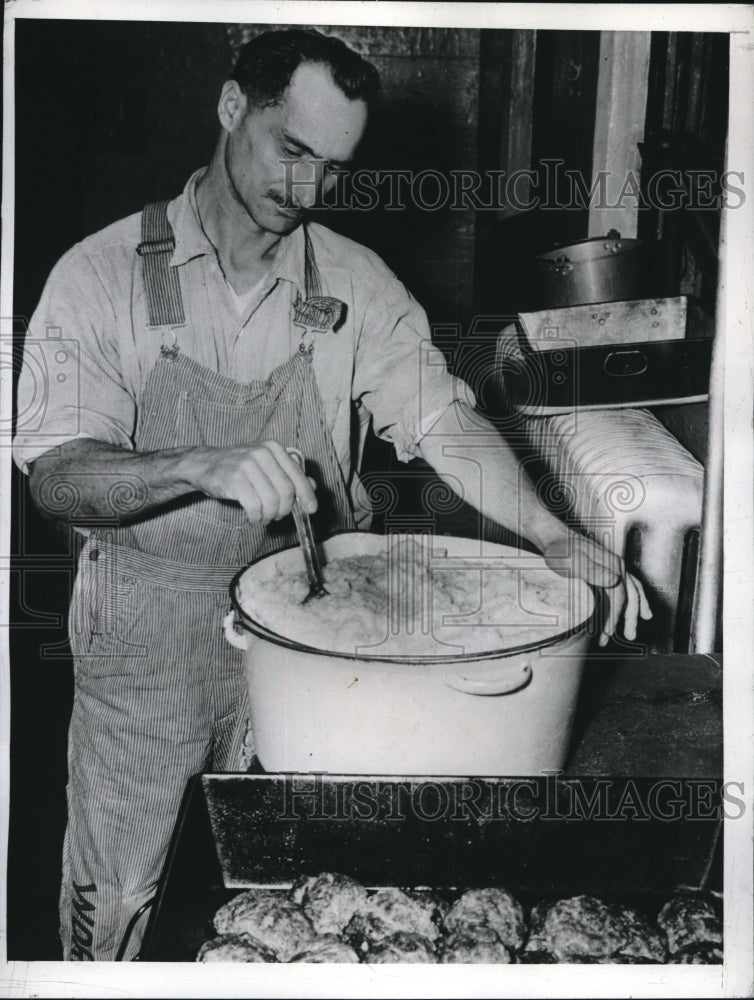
x=159, y=694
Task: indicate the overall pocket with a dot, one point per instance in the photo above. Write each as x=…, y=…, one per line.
x=215, y=424
x=101, y=612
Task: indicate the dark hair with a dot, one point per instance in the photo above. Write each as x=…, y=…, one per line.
x=266, y=64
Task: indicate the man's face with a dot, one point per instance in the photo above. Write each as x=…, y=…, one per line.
x=314, y=120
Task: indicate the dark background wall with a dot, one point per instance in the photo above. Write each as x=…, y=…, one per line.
x=110, y=115
x=685, y=129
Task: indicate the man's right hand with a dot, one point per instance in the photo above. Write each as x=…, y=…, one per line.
x=262, y=478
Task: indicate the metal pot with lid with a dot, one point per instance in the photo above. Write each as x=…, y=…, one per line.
x=599, y=269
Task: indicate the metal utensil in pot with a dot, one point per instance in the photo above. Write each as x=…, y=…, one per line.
x=306, y=541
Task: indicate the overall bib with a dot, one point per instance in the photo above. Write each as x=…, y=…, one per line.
x=160, y=695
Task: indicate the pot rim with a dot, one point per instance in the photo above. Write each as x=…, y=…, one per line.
x=626, y=241
x=579, y=253
x=249, y=624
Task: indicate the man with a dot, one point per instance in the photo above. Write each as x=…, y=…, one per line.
x=215, y=332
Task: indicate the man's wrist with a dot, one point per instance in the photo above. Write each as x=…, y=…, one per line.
x=185, y=468
x=548, y=532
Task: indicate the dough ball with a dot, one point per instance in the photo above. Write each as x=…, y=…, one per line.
x=475, y=944
x=402, y=947
x=389, y=911
x=690, y=920
x=583, y=927
x=495, y=907
x=698, y=954
x=327, y=948
x=329, y=900
x=271, y=918
x=234, y=948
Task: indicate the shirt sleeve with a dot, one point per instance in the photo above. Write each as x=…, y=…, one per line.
x=71, y=383
x=399, y=376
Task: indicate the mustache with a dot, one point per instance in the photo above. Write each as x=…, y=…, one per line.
x=283, y=202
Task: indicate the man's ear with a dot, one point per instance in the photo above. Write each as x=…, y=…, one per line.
x=232, y=105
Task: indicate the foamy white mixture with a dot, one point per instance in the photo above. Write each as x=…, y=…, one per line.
x=394, y=603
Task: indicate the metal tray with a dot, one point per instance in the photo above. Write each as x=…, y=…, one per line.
x=634, y=321
x=639, y=374
x=244, y=830
x=619, y=354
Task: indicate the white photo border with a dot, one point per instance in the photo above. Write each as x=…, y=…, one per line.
x=734, y=977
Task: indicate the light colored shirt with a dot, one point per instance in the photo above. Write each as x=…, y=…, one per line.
x=242, y=300
x=93, y=311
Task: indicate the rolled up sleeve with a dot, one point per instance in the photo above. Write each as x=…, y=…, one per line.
x=72, y=383
x=400, y=377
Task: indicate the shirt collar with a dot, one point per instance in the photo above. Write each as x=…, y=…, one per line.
x=191, y=241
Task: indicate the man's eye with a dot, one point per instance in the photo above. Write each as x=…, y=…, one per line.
x=293, y=153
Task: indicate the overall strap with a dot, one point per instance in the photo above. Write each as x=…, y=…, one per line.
x=317, y=312
x=312, y=281
x=156, y=248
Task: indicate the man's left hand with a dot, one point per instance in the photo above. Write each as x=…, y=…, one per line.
x=582, y=557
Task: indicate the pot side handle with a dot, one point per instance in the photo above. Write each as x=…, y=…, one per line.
x=237, y=639
x=516, y=677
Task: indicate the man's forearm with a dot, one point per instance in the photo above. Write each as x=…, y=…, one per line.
x=470, y=455
x=90, y=480
x=85, y=479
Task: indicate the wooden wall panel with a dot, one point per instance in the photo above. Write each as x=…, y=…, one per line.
x=619, y=128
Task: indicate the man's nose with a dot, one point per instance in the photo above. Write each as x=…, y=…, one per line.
x=307, y=181
x=306, y=196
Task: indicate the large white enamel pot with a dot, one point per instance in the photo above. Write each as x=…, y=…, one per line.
x=503, y=712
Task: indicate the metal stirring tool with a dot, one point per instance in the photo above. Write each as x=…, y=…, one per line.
x=306, y=541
